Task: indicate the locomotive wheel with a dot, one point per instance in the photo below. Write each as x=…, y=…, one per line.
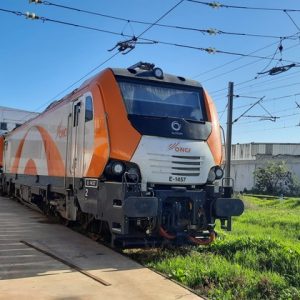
x=165, y=234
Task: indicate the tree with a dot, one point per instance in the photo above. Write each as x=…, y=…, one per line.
x=275, y=178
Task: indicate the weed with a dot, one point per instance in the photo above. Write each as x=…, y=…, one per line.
x=259, y=259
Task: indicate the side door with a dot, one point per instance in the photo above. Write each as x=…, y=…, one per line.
x=76, y=144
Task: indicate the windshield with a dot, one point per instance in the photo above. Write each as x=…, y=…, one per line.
x=160, y=100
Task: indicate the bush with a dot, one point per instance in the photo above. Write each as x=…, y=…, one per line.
x=276, y=179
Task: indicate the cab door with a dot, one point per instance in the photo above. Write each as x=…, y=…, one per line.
x=76, y=148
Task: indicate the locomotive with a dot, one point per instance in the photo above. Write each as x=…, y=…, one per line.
x=132, y=154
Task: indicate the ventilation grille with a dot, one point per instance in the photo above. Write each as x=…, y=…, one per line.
x=177, y=165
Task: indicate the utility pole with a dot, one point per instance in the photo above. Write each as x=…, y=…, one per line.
x=227, y=187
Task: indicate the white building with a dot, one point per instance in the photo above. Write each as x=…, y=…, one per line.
x=247, y=157
x=11, y=118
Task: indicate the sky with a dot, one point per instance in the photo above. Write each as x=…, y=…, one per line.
x=40, y=60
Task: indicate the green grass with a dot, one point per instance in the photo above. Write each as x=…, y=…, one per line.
x=259, y=259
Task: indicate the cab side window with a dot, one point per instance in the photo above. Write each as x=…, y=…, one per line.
x=76, y=114
x=88, y=109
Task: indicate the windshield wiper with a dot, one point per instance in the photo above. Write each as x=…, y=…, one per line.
x=194, y=121
x=150, y=116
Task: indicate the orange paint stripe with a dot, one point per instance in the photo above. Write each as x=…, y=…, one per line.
x=55, y=163
x=16, y=162
x=30, y=168
x=214, y=140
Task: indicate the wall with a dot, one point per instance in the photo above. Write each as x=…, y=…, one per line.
x=10, y=117
x=242, y=170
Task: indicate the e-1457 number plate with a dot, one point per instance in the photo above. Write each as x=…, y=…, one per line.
x=177, y=179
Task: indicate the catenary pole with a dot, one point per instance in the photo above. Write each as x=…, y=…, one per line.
x=228, y=188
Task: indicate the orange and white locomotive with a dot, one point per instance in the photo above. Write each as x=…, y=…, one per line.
x=132, y=152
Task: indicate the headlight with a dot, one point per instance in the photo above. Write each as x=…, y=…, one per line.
x=117, y=168
x=219, y=172
x=215, y=173
x=158, y=73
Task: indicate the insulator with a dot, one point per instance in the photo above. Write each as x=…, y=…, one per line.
x=215, y=4
x=31, y=16
x=210, y=50
x=212, y=31
x=35, y=1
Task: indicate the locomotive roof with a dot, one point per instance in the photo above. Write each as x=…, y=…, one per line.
x=138, y=74
x=148, y=75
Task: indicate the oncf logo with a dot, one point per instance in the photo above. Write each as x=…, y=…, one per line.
x=176, y=126
x=176, y=147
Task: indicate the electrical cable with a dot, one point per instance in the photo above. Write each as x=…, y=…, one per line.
x=232, y=61
x=74, y=83
x=220, y=5
x=242, y=66
x=209, y=31
x=292, y=20
x=281, y=117
x=275, y=112
x=265, y=100
x=209, y=50
x=277, y=87
x=257, y=102
x=128, y=45
x=279, y=48
x=274, y=88
x=281, y=78
x=270, y=81
x=222, y=112
x=160, y=18
x=101, y=64
x=267, y=129
x=263, y=83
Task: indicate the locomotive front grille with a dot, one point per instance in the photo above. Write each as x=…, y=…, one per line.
x=177, y=165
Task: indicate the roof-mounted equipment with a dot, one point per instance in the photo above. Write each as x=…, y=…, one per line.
x=145, y=66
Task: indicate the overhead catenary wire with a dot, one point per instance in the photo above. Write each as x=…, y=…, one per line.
x=280, y=49
x=277, y=87
x=210, y=31
x=209, y=50
x=293, y=21
x=232, y=61
x=257, y=83
x=72, y=85
x=248, y=105
x=102, y=63
x=273, y=88
x=220, y=5
x=282, y=117
x=242, y=66
x=278, y=111
x=266, y=100
x=259, y=100
x=267, y=129
x=160, y=18
x=128, y=45
x=271, y=80
x=296, y=35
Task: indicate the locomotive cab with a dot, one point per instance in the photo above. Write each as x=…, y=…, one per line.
x=164, y=190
